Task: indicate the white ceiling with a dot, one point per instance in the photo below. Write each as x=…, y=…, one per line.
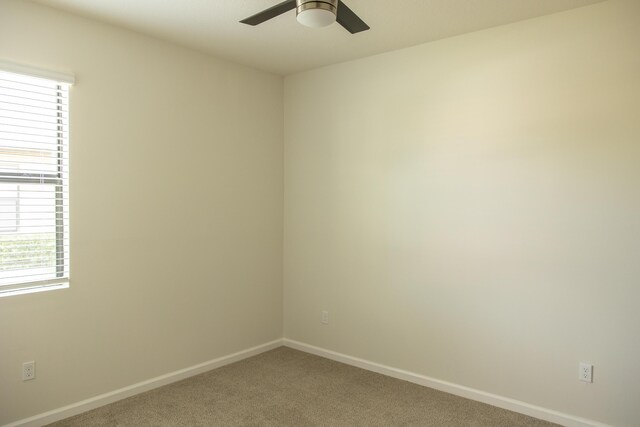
x=283, y=46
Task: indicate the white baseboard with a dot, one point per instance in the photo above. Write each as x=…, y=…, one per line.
x=459, y=390
x=113, y=396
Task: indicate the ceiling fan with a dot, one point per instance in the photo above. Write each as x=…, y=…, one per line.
x=313, y=14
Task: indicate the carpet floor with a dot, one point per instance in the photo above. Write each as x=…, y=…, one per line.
x=286, y=387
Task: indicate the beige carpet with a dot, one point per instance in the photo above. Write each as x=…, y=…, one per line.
x=285, y=387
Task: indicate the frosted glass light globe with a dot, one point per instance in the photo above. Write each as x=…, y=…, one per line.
x=316, y=18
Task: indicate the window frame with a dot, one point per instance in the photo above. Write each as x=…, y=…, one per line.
x=58, y=178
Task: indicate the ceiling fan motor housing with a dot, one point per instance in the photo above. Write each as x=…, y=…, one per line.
x=314, y=13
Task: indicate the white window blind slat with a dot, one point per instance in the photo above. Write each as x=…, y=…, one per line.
x=34, y=186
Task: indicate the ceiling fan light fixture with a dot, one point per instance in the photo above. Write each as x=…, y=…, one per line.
x=316, y=14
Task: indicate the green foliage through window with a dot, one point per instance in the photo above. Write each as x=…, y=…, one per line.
x=27, y=251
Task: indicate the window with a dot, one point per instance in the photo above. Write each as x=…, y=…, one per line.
x=34, y=183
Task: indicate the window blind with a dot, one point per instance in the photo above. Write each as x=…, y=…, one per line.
x=34, y=182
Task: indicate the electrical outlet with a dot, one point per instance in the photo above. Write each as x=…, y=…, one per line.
x=28, y=370
x=324, y=318
x=586, y=372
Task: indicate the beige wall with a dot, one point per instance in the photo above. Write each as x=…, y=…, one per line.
x=469, y=210
x=176, y=209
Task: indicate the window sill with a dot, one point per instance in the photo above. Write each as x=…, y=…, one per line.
x=30, y=289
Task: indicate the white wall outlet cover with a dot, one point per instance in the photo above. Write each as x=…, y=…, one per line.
x=324, y=318
x=585, y=372
x=28, y=370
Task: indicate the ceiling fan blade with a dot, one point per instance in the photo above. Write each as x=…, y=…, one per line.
x=272, y=12
x=350, y=20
